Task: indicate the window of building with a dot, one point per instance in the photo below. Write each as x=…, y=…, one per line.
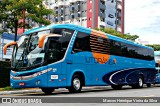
x=102, y=19
x=103, y=2
x=102, y=11
x=102, y=26
x=112, y=1
x=90, y=10
x=110, y=23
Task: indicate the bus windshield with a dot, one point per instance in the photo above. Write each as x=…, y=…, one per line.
x=28, y=55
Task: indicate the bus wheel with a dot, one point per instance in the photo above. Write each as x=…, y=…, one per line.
x=116, y=87
x=47, y=90
x=148, y=85
x=139, y=84
x=76, y=85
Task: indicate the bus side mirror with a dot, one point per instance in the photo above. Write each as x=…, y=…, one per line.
x=8, y=45
x=41, y=41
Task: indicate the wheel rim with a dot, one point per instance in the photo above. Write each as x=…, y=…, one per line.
x=140, y=82
x=76, y=83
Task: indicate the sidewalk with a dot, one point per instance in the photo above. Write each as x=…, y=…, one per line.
x=30, y=90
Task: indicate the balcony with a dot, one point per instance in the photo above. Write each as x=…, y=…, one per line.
x=119, y=6
x=110, y=15
x=60, y=3
x=109, y=23
x=77, y=7
x=72, y=16
x=60, y=19
x=102, y=4
x=55, y=19
x=73, y=1
x=60, y=11
x=56, y=11
x=118, y=22
x=72, y=8
x=119, y=28
x=119, y=1
x=119, y=15
x=77, y=15
x=102, y=15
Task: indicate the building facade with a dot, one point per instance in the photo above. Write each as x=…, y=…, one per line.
x=88, y=13
x=4, y=39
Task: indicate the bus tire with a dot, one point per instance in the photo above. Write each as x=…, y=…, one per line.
x=76, y=84
x=47, y=90
x=139, y=84
x=116, y=87
x=148, y=85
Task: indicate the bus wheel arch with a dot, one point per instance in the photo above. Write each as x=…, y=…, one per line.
x=47, y=90
x=140, y=82
x=77, y=81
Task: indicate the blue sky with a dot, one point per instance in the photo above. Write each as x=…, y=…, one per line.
x=142, y=17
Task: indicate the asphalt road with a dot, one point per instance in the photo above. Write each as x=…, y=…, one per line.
x=153, y=91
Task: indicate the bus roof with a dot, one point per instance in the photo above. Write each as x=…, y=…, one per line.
x=83, y=29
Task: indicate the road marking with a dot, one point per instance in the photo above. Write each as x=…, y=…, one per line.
x=149, y=96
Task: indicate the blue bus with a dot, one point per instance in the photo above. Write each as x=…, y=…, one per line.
x=157, y=60
x=70, y=56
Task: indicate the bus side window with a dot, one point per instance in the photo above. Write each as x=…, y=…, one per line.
x=81, y=43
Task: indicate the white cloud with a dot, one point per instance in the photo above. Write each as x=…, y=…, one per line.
x=142, y=17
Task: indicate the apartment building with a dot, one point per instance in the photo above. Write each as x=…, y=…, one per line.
x=88, y=13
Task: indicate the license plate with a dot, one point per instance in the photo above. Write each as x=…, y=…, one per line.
x=21, y=84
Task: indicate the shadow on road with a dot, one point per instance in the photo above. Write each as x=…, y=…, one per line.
x=86, y=90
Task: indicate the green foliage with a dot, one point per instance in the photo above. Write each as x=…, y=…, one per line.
x=156, y=47
x=12, y=10
x=7, y=88
x=116, y=33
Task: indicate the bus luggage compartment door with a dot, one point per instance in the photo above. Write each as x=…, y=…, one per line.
x=55, y=76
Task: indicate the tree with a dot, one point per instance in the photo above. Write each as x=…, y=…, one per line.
x=156, y=47
x=116, y=33
x=13, y=10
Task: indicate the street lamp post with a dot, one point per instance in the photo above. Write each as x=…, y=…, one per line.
x=16, y=27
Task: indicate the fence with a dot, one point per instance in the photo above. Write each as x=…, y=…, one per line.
x=4, y=73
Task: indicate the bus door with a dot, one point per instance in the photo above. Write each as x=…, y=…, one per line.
x=54, y=56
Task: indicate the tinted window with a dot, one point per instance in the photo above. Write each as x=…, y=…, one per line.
x=132, y=51
x=81, y=43
x=58, y=45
